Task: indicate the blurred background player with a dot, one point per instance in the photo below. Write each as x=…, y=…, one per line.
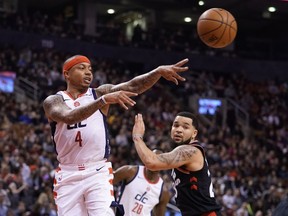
x=143, y=191
x=77, y=116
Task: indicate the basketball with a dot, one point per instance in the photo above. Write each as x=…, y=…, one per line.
x=217, y=28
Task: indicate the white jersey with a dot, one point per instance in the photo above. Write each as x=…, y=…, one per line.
x=139, y=196
x=84, y=142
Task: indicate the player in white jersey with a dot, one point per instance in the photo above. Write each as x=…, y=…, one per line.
x=142, y=191
x=83, y=181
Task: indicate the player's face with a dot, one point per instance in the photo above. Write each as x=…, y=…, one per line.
x=81, y=74
x=183, y=131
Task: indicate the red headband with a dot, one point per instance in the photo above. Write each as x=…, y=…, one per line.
x=73, y=61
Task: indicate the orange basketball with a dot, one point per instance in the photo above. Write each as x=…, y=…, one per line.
x=217, y=27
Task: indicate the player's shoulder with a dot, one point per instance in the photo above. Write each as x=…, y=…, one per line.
x=132, y=168
x=128, y=168
x=127, y=172
x=52, y=99
x=190, y=153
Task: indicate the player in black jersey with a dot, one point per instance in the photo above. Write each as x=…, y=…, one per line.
x=192, y=179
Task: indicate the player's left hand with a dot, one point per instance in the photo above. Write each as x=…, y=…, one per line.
x=171, y=72
x=139, y=126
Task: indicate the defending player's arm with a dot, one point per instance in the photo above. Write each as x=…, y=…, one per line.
x=182, y=155
x=160, y=208
x=57, y=110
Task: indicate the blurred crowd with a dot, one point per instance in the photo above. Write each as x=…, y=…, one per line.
x=250, y=171
x=249, y=166
x=170, y=38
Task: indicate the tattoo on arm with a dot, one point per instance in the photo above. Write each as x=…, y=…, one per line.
x=144, y=82
x=104, y=89
x=138, y=84
x=58, y=111
x=179, y=155
x=51, y=102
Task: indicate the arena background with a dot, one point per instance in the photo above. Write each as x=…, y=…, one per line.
x=240, y=92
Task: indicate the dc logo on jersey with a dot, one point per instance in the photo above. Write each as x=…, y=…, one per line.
x=141, y=198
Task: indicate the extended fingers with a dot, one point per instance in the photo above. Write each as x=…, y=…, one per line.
x=122, y=104
x=137, y=118
x=130, y=94
x=175, y=76
x=140, y=118
x=181, y=69
x=126, y=103
x=139, y=121
x=182, y=62
x=124, y=99
x=129, y=100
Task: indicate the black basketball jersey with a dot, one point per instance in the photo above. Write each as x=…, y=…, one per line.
x=194, y=190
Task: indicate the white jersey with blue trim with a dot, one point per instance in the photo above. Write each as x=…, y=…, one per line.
x=84, y=142
x=139, y=196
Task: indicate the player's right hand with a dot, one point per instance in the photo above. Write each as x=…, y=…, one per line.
x=123, y=98
x=171, y=72
x=139, y=126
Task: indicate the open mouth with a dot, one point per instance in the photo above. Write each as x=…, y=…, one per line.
x=87, y=79
x=177, y=137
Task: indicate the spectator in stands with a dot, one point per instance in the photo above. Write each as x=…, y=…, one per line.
x=3, y=207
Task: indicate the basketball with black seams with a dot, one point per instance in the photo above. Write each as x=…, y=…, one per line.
x=217, y=28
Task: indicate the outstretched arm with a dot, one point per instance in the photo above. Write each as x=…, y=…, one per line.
x=182, y=155
x=145, y=81
x=142, y=83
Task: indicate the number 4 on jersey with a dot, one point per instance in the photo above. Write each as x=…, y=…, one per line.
x=78, y=138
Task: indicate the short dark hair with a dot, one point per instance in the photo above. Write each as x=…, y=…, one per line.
x=191, y=116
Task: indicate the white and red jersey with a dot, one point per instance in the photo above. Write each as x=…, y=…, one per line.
x=139, y=196
x=84, y=142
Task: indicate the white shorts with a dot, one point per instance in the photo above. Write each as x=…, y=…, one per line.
x=85, y=189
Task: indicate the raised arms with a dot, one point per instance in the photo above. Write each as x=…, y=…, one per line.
x=184, y=155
